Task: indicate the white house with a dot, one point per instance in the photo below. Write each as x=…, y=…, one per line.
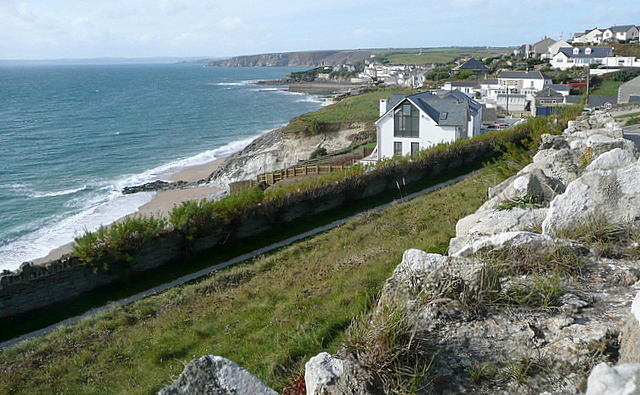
x=567, y=58
x=411, y=123
x=620, y=33
x=593, y=36
x=523, y=82
x=554, y=48
x=467, y=87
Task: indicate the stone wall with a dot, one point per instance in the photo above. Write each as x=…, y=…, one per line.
x=36, y=286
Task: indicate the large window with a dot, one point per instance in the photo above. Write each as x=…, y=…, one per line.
x=397, y=148
x=406, y=120
x=415, y=147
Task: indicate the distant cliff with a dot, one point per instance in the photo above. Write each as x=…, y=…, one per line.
x=296, y=59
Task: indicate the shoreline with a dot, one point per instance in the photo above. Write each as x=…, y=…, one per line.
x=161, y=203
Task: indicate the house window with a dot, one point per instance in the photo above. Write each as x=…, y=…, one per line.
x=406, y=120
x=415, y=147
x=397, y=148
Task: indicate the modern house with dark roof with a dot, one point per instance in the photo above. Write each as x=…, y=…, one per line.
x=475, y=66
x=411, y=123
x=567, y=58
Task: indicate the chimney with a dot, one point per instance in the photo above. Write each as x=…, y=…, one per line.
x=383, y=106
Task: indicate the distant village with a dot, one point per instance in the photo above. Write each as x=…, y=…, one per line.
x=528, y=92
x=497, y=92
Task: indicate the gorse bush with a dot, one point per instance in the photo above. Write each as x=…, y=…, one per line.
x=119, y=240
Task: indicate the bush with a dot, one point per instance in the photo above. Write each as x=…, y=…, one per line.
x=118, y=241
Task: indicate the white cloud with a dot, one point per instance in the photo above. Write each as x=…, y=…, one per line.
x=229, y=23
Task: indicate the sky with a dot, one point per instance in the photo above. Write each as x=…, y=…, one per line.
x=81, y=29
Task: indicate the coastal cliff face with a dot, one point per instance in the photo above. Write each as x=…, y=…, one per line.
x=295, y=59
x=536, y=291
x=277, y=150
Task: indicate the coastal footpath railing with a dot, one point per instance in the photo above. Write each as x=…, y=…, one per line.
x=32, y=287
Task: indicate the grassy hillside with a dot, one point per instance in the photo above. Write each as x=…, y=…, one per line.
x=269, y=315
x=363, y=108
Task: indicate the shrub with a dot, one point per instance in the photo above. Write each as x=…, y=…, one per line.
x=118, y=241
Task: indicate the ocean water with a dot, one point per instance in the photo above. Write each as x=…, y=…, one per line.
x=71, y=137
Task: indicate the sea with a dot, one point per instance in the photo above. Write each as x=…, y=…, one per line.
x=72, y=136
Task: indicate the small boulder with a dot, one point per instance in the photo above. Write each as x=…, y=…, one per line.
x=614, y=380
x=214, y=375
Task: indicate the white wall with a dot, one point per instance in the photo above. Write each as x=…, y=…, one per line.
x=430, y=135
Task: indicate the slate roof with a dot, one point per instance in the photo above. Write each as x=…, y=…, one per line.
x=464, y=83
x=596, y=52
x=472, y=64
x=530, y=75
x=621, y=28
x=448, y=108
x=548, y=92
x=560, y=87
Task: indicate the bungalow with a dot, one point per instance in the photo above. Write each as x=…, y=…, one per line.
x=593, y=36
x=620, y=33
x=410, y=123
x=567, y=58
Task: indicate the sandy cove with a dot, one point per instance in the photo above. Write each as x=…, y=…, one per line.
x=163, y=201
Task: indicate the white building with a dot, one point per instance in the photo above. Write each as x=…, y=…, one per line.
x=567, y=58
x=411, y=123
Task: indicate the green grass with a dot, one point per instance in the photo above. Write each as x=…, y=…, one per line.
x=438, y=56
x=606, y=88
x=363, y=108
x=269, y=315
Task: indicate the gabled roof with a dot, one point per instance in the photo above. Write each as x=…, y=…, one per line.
x=490, y=81
x=548, y=92
x=596, y=52
x=470, y=84
x=560, y=87
x=472, y=64
x=621, y=28
x=445, y=108
x=527, y=75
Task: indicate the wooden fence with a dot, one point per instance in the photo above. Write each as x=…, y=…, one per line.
x=269, y=179
x=273, y=177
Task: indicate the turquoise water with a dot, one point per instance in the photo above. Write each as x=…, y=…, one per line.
x=72, y=136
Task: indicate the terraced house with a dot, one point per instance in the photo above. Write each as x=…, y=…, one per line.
x=410, y=123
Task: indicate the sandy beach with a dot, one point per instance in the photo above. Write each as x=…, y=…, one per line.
x=163, y=201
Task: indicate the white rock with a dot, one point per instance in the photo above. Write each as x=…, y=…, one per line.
x=614, y=159
x=617, y=380
x=212, y=374
x=321, y=371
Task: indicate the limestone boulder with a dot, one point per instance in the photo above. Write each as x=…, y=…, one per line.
x=614, y=380
x=214, y=375
x=562, y=165
x=630, y=342
x=422, y=273
x=522, y=241
x=617, y=158
x=483, y=224
x=609, y=196
x=326, y=374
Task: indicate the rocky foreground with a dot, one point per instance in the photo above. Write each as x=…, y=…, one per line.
x=537, y=294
